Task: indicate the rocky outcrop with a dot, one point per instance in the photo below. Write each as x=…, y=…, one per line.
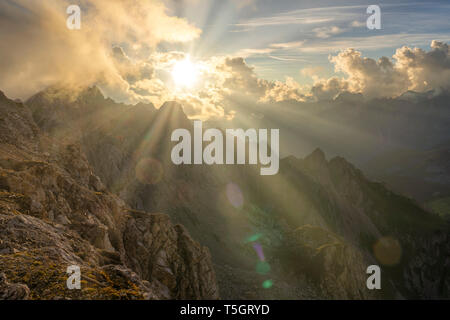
x=37, y=254
x=12, y=291
x=427, y=275
x=337, y=267
x=158, y=251
x=55, y=212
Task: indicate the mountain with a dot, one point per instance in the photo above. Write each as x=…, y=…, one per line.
x=402, y=141
x=356, y=127
x=55, y=213
x=308, y=232
x=420, y=174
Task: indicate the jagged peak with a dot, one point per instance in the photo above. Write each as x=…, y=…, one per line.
x=91, y=94
x=339, y=161
x=93, y=90
x=317, y=157
x=4, y=98
x=175, y=109
x=171, y=105
x=70, y=94
x=145, y=106
x=340, y=164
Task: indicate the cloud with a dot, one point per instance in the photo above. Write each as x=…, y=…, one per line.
x=234, y=86
x=240, y=84
x=305, y=16
x=202, y=108
x=312, y=72
x=326, y=32
x=357, y=24
x=328, y=89
x=240, y=4
x=290, y=18
x=287, y=45
x=410, y=69
x=407, y=69
x=425, y=70
x=368, y=76
x=373, y=43
x=281, y=91
x=287, y=58
x=37, y=50
x=131, y=71
x=239, y=77
x=151, y=90
x=244, y=53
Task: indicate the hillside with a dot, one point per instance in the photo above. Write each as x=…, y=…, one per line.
x=55, y=212
x=308, y=232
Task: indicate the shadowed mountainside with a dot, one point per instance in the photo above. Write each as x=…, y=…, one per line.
x=423, y=175
x=55, y=212
x=319, y=222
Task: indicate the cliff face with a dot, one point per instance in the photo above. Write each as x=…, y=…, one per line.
x=55, y=212
x=362, y=223
x=319, y=222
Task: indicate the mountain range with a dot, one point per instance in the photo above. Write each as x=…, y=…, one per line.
x=88, y=181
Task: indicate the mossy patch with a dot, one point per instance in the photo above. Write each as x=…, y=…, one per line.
x=47, y=278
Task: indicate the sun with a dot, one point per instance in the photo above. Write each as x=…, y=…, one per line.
x=185, y=73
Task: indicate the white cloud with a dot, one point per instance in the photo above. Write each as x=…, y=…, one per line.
x=287, y=45
x=373, y=43
x=37, y=50
x=409, y=69
x=357, y=24
x=326, y=32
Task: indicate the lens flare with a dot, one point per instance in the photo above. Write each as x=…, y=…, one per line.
x=388, y=251
x=234, y=195
x=253, y=238
x=258, y=248
x=149, y=171
x=262, y=267
x=267, y=284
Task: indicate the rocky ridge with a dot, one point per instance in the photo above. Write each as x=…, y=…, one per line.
x=320, y=222
x=55, y=212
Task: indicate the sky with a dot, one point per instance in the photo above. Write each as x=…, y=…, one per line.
x=214, y=55
x=279, y=38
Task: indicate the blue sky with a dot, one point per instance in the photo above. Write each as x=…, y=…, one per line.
x=279, y=38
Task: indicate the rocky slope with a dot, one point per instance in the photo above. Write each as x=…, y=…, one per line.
x=55, y=212
x=369, y=224
x=308, y=232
